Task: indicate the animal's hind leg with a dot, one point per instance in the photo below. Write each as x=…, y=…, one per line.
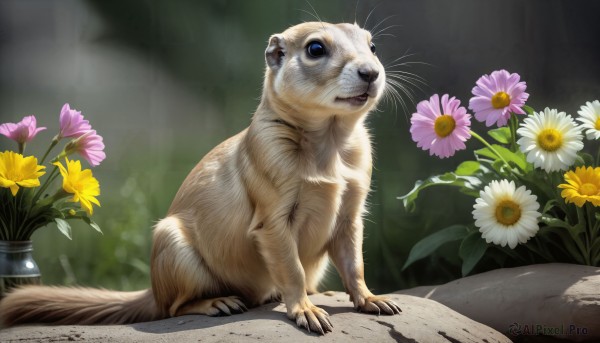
x=213, y=307
x=180, y=278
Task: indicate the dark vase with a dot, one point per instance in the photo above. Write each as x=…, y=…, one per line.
x=17, y=266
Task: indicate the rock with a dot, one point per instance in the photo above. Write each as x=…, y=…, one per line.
x=558, y=300
x=422, y=320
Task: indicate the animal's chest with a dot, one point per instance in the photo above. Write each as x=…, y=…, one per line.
x=315, y=214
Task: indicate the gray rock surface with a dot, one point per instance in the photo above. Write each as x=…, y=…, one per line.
x=557, y=300
x=422, y=320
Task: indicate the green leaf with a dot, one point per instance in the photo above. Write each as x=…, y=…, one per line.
x=409, y=199
x=467, y=168
x=429, y=244
x=471, y=250
x=554, y=222
x=449, y=179
x=567, y=241
x=528, y=109
x=92, y=223
x=64, y=227
x=549, y=205
x=518, y=158
x=574, y=230
x=501, y=135
x=470, y=192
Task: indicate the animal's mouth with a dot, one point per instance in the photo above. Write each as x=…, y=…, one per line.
x=358, y=100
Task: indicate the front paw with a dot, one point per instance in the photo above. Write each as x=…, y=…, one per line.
x=379, y=305
x=310, y=317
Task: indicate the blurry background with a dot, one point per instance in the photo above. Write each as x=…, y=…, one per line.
x=165, y=81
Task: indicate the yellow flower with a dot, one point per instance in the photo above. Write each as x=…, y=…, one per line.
x=582, y=185
x=80, y=183
x=16, y=170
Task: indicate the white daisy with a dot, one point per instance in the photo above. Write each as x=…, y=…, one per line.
x=589, y=116
x=551, y=140
x=506, y=214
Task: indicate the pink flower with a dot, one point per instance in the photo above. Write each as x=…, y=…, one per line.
x=441, y=131
x=72, y=123
x=89, y=145
x=23, y=131
x=496, y=96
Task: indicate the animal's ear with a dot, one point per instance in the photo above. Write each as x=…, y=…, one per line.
x=275, y=51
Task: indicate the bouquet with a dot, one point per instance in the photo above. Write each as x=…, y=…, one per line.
x=28, y=200
x=535, y=189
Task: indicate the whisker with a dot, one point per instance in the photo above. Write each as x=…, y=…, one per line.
x=404, y=86
x=393, y=97
x=379, y=33
x=402, y=73
x=405, y=55
x=407, y=64
x=389, y=70
x=312, y=15
x=417, y=79
x=356, y=10
x=369, y=15
x=316, y=15
x=381, y=22
x=385, y=35
x=399, y=103
x=408, y=78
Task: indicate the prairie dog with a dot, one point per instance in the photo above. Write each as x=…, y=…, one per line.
x=261, y=214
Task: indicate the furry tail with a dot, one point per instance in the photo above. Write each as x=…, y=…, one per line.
x=63, y=305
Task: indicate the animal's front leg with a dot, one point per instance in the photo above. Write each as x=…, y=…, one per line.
x=345, y=251
x=280, y=253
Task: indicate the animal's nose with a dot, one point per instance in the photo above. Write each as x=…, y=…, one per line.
x=368, y=74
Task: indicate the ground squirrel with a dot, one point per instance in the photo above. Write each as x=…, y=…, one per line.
x=262, y=214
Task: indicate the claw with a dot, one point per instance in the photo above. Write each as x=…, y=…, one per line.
x=383, y=306
x=379, y=305
x=234, y=304
x=222, y=307
x=302, y=322
x=313, y=319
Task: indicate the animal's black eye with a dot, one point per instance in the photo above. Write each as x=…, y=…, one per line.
x=373, y=49
x=315, y=49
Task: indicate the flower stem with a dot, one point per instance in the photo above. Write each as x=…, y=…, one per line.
x=513, y=132
x=489, y=146
x=584, y=246
x=51, y=199
x=42, y=189
x=55, y=141
x=591, y=229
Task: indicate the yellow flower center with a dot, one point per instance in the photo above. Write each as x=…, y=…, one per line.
x=508, y=212
x=78, y=185
x=15, y=175
x=444, y=125
x=550, y=139
x=500, y=100
x=597, y=125
x=588, y=189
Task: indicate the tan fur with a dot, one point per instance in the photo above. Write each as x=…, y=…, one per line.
x=260, y=215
